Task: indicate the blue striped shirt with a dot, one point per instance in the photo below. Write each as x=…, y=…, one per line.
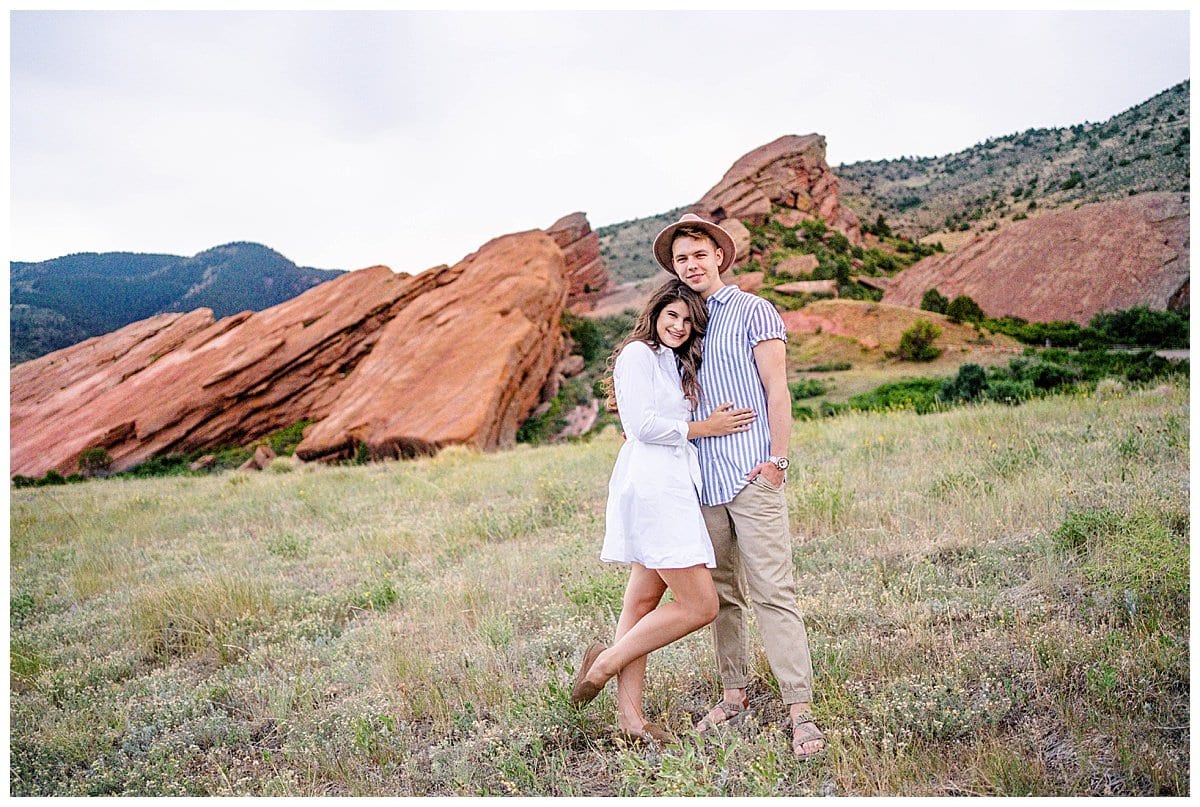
x=737, y=321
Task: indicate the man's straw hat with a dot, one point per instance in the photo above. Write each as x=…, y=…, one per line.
x=663, y=241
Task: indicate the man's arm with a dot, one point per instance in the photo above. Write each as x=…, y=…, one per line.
x=770, y=355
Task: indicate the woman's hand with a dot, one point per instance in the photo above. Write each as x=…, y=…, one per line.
x=724, y=420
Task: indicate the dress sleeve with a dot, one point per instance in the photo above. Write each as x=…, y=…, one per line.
x=633, y=377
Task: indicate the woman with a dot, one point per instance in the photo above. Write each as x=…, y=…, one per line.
x=653, y=518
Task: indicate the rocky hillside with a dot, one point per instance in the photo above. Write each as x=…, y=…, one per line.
x=381, y=363
x=626, y=245
x=784, y=184
x=1024, y=174
x=1068, y=264
x=63, y=301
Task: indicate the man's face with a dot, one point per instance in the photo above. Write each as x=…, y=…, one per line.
x=695, y=261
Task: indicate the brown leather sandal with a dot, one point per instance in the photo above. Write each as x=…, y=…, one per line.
x=733, y=712
x=584, y=692
x=805, y=730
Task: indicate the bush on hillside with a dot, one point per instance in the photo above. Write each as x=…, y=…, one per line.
x=916, y=344
x=814, y=229
x=933, y=300
x=1141, y=326
x=586, y=334
x=963, y=309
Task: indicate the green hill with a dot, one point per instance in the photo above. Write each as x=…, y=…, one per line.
x=1142, y=149
x=56, y=303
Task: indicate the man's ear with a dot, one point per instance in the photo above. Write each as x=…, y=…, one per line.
x=720, y=255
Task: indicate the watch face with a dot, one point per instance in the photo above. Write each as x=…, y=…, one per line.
x=782, y=463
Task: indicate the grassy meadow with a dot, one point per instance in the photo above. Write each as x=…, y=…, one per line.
x=996, y=598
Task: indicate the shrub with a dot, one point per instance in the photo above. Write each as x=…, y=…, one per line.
x=828, y=368
x=918, y=394
x=969, y=385
x=1049, y=375
x=814, y=229
x=839, y=243
x=1005, y=390
x=841, y=270
x=587, y=336
x=166, y=465
x=94, y=461
x=881, y=227
x=807, y=388
x=1141, y=326
x=284, y=441
x=963, y=309
x=934, y=301
x=916, y=344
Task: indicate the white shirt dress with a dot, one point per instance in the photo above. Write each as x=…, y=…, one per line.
x=653, y=516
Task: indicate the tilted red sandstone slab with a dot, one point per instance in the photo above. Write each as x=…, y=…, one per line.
x=452, y=355
x=789, y=172
x=1067, y=265
x=463, y=364
x=226, y=383
x=587, y=276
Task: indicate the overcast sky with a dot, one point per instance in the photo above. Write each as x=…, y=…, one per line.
x=344, y=140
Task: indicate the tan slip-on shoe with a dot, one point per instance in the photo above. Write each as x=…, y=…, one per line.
x=584, y=692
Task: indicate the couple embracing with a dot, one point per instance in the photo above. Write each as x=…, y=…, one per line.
x=696, y=500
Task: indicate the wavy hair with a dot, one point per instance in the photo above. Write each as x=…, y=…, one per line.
x=687, y=355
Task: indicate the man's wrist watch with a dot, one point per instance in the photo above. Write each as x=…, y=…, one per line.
x=779, y=462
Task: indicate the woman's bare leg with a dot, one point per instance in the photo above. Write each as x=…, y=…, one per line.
x=694, y=606
x=642, y=595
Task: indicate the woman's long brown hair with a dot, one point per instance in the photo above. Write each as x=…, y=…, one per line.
x=687, y=355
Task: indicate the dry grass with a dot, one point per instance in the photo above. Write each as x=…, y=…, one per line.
x=996, y=601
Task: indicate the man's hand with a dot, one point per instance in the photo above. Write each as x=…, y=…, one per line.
x=770, y=472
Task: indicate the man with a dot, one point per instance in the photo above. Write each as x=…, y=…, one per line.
x=743, y=499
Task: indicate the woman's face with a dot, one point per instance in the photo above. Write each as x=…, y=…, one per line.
x=674, y=326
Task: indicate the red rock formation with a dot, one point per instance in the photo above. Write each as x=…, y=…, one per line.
x=808, y=287
x=402, y=363
x=748, y=281
x=791, y=173
x=586, y=274
x=1067, y=265
x=464, y=363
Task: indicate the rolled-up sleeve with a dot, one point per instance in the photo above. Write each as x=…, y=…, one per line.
x=764, y=322
x=633, y=377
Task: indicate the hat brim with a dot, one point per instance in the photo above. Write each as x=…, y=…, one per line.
x=664, y=240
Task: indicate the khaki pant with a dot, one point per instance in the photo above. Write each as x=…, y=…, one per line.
x=753, y=547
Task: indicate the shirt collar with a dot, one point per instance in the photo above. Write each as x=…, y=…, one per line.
x=722, y=294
